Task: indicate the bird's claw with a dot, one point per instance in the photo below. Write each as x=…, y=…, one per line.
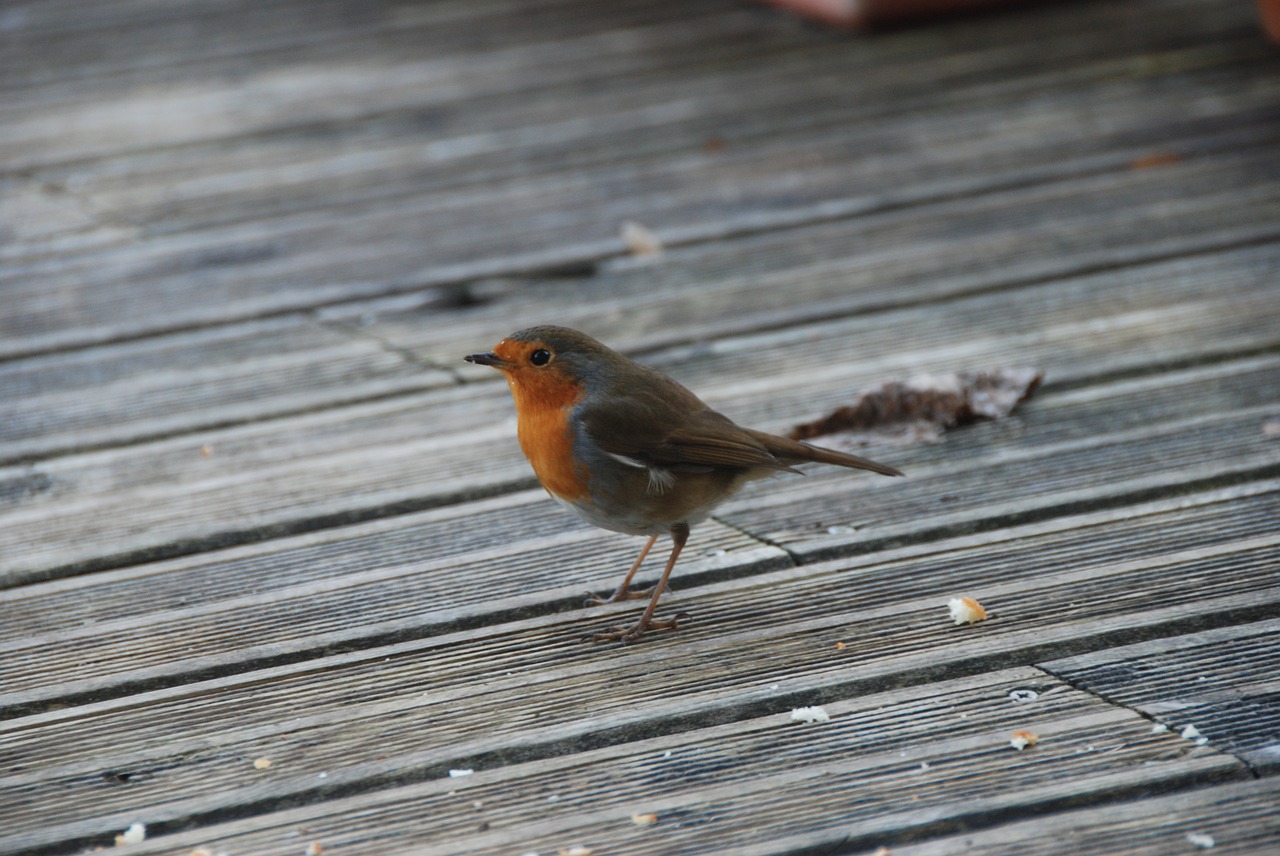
x=635, y=631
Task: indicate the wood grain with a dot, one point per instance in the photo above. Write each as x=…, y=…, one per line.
x=1238, y=818
x=385, y=457
x=254, y=508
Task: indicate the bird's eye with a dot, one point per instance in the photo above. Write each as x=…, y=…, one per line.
x=540, y=357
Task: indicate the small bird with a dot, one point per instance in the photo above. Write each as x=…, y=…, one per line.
x=631, y=450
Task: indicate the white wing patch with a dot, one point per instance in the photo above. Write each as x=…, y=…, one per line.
x=660, y=480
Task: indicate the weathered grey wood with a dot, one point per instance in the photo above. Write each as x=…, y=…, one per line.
x=729, y=783
x=1141, y=441
x=198, y=379
x=247, y=510
x=284, y=601
x=1222, y=682
x=195, y=380
x=313, y=257
x=451, y=444
x=1237, y=817
x=187, y=381
x=528, y=689
x=439, y=572
x=871, y=263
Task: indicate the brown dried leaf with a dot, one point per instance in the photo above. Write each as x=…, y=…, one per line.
x=927, y=405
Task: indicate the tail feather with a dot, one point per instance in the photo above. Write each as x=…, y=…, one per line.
x=792, y=451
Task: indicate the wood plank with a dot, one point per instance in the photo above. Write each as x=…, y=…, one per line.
x=1076, y=463
x=317, y=259
x=434, y=573
x=303, y=540
x=438, y=572
x=517, y=691
x=418, y=451
x=739, y=784
x=374, y=247
x=432, y=58
x=867, y=264
x=155, y=387
x=1222, y=682
x=1238, y=817
x=63, y=56
x=199, y=379
x=435, y=57
x=616, y=118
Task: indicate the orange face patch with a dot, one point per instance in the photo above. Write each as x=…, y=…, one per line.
x=544, y=395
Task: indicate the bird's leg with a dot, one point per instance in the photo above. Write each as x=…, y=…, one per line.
x=679, y=534
x=624, y=591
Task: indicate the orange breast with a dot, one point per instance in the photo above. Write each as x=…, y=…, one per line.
x=542, y=410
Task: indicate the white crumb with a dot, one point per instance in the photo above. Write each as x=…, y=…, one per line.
x=1022, y=739
x=966, y=610
x=809, y=714
x=640, y=240
x=1201, y=840
x=135, y=834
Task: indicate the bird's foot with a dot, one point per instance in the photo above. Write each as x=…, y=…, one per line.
x=618, y=596
x=635, y=631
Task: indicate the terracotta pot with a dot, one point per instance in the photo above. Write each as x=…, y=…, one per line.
x=1270, y=12
x=869, y=14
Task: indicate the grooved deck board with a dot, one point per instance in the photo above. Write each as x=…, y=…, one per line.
x=452, y=444
x=254, y=371
x=307, y=257
x=1242, y=817
x=424, y=706
x=870, y=740
x=1222, y=683
x=253, y=505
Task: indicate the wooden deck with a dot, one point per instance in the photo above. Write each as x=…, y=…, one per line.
x=254, y=507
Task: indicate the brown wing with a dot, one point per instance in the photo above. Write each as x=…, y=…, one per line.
x=792, y=451
x=674, y=430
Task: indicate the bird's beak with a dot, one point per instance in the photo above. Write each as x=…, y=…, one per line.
x=489, y=359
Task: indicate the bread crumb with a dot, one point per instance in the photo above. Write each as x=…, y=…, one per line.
x=881, y=851
x=575, y=851
x=1022, y=739
x=640, y=240
x=135, y=834
x=644, y=819
x=809, y=714
x=262, y=763
x=1201, y=840
x=840, y=646
x=966, y=610
x=206, y=451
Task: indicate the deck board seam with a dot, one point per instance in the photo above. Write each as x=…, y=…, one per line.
x=1082, y=686
x=449, y=284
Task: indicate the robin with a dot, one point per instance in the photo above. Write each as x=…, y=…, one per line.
x=630, y=449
